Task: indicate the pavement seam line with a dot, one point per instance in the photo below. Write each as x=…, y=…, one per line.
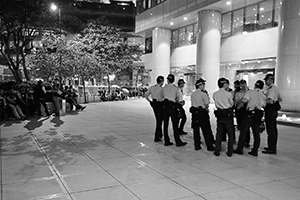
x=60, y=181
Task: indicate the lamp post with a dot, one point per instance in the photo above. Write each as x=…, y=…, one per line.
x=55, y=8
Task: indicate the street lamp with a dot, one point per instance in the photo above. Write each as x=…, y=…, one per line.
x=55, y=8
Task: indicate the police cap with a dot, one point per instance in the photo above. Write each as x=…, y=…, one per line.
x=159, y=79
x=171, y=78
x=243, y=81
x=222, y=80
x=259, y=84
x=200, y=81
x=269, y=76
x=181, y=81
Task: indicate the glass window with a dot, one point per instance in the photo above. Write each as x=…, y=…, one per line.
x=182, y=37
x=265, y=14
x=251, y=22
x=149, y=3
x=174, y=42
x=148, y=45
x=237, y=21
x=189, y=34
x=226, y=25
x=277, y=12
x=195, y=33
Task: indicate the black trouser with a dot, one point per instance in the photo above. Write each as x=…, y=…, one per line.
x=251, y=119
x=239, y=114
x=271, y=127
x=38, y=102
x=200, y=119
x=182, y=118
x=225, y=125
x=158, y=112
x=170, y=110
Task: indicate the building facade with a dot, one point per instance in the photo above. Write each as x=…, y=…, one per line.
x=236, y=39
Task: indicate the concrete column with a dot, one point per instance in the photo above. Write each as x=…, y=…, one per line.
x=208, y=48
x=161, y=53
x=288, y=66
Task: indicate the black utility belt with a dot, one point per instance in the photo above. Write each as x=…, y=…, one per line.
x=155, y=100
x=196, y=109
x=223, y=113
x=256, y=114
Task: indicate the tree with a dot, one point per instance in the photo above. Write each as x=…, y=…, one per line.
x=20, y=22
x=108, y=47
x=54, y=58
x=84, y=62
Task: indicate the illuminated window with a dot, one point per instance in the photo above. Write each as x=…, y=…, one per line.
x=195, y=33
x=266, y=14
x=226, y=25
x=251, y=19
x=174, y=42
x=237, y=21
x=182, y=37
x=277, y=12
x=189, y=34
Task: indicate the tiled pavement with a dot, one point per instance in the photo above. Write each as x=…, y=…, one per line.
x=107, y=152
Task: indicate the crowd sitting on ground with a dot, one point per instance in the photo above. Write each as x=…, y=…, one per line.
x=23, y=101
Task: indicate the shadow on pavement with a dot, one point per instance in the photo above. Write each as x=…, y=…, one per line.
x=35, y=123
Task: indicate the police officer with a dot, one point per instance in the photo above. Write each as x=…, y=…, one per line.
x=180, y=104
x=255, y=100
x=224, y=114
x=156, y=102
x=240, y=108
x=271, y=113
x=200, y=117
x=171, y=96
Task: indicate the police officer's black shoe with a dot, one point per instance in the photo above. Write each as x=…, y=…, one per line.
x=158, y=140
x=198, y=148
x=252, y=153
x=217, y=153
x=266, y=148
x=247, y=145
x=183, y=133
x=229, y=154
x=211, y=149
x=168, y=143
x=238, y=152
x=181, y=144
x=269, y=152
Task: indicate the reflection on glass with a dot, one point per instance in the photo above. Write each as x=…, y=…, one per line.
x=195, y=33
x=278, y=4
x=174, y=40
x=189, y=34
x=182, y=37
x=251, y=22
x=237, y=21
x=226, y=25
x=265, y=14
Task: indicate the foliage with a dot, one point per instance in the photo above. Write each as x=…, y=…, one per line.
x=109, y=48
x=20, y=21
x=52, y=59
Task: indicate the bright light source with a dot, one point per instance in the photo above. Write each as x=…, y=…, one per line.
x=53, y=7
x=185, y=18
x=228, y=3
x=171, y=23
x=261, y=9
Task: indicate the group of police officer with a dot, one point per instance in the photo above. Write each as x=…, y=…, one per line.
x=167, y=102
